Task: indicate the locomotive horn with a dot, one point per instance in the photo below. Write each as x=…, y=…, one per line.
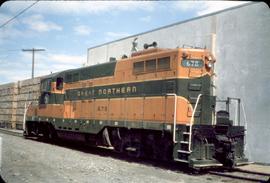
x=146, y=46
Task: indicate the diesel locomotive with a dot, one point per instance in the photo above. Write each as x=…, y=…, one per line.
x=157, y=103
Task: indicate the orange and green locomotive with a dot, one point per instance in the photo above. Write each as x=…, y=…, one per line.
x=157, y=103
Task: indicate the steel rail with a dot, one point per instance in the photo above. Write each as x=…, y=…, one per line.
x=242, y=177
x=10, y=132
x=251, y=172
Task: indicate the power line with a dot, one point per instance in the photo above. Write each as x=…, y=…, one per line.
x=21, y=12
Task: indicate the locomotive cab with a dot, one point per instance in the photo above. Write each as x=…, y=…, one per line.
x=45, y=89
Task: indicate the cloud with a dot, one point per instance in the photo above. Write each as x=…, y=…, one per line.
x=11, y=71
x=8, y=31
x=58, y=62
x=66, y=59
x=4, y=18
x=45, y=63
x=213, y=6
x=117, y=34
x=37, y=23
x=80, y=7
x=205, y=7
x=82, y=30
x=9, y=76
x=186, y=5
x=145, y=19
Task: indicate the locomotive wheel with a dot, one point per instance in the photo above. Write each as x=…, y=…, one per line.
x=165, y=149
x=230, y=160
x=49, y=134
x=150, y=147
x=118, y=147
x=117, y=142
x=134, y=149
x=52, y=135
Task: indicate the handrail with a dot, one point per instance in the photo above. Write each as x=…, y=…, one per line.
x=245, y=125
x=24, y=115
x=174, y=116
x=191, y=122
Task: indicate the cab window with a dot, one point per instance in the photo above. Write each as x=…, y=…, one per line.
x=44, y=98
x=46, y=85
x=59, y=83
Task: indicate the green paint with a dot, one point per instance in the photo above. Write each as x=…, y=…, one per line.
x=91, y=72
x=94, y=126
x=140, y=89
x=56, y=98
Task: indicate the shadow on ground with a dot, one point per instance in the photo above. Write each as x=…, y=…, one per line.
x=79, y=146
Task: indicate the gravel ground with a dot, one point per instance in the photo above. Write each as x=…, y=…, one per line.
x=25, y=160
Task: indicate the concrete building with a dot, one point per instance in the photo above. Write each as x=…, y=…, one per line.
x=239, y=37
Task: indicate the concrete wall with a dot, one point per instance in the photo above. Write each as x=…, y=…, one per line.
x=243, y=69
x=240, y=39
x=13, y=97
x=177, y=35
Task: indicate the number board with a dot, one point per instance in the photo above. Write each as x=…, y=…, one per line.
x=196, y=63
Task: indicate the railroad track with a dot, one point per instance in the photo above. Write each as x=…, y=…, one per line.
x=10, y=132
x=241, y=174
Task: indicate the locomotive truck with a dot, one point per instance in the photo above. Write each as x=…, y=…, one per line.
x=157, y=103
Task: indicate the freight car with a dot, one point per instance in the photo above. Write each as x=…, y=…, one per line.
x=157, y=103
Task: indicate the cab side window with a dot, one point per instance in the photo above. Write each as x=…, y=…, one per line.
x=59, y=83
x=46, y=85
x=44, y=98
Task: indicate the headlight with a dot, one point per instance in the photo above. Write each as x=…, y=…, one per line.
x=209, y=65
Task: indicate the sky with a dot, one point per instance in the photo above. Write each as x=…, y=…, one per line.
x=66, y=29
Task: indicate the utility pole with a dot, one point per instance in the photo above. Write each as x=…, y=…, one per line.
x=33, y=50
